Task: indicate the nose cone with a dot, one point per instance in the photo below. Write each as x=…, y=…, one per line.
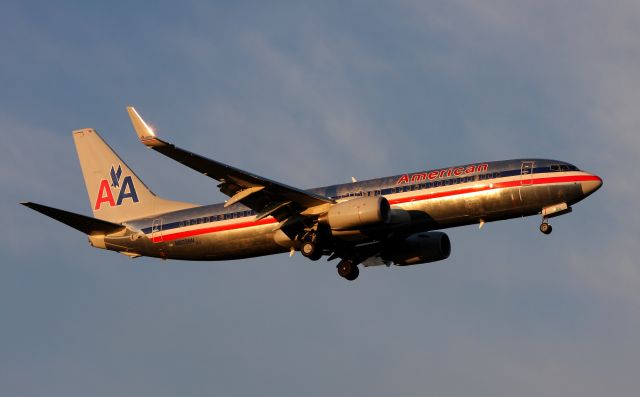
x=591, y=185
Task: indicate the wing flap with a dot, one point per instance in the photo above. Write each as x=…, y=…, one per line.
x=242, y=194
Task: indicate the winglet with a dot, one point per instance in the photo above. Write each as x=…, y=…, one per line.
x=145, y=133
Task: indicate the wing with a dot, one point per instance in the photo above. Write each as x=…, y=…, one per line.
x=265, y=196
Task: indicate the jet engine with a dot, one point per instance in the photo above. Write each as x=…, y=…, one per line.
x=358, y=213
x=418, y=248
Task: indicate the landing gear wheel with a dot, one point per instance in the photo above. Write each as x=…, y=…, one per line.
x=545, y=228
x=348, y=270
x=311, y=250
x=355, y=272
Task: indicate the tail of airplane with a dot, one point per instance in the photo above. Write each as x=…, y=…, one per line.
x=116, y=194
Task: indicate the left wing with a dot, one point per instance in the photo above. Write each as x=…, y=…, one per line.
x=265, y=196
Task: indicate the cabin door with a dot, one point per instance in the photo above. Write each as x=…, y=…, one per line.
x=526, y=173
x=156, y=230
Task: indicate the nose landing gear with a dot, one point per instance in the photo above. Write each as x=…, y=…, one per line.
x=545, y=227
x=551, y=212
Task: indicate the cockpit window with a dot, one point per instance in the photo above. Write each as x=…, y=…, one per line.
x=563, y=167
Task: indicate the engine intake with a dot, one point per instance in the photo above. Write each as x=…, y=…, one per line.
x=358, y=213
x=418, y=248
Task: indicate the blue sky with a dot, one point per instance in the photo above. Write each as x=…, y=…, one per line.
x=312, y=93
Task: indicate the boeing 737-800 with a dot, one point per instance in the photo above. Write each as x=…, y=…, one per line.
x=393, y=220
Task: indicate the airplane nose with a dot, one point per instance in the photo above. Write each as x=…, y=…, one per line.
x=591, y=185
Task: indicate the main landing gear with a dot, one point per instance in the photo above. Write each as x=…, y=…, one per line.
x=348, y=269
x=545, y=227
x=311, y=250
x=313, y=247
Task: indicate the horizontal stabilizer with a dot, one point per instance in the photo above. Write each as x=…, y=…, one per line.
x=85, y=224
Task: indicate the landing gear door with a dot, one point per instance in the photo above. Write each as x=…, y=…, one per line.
x=526, y=173
x=156, y=231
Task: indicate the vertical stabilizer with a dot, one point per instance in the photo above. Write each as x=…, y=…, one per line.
x=116, y=194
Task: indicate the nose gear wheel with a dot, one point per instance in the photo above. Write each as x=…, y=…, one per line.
x=545, y=227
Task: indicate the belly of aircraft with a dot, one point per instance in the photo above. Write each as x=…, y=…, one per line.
x=490, y=205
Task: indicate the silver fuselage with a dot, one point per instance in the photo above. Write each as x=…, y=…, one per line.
x=422, y=201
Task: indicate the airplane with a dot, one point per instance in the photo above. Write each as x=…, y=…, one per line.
x=393, y=220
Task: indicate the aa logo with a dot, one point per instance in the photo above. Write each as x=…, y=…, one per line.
x=124, y=189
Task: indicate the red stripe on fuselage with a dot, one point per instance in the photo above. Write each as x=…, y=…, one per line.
x=487, y=185
x=496, y=185
x=214, y=229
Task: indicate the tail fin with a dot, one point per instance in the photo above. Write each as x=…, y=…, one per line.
x=116, y=194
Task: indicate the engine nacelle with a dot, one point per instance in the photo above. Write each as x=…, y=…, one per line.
x=418, y=248
x=358, y=213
